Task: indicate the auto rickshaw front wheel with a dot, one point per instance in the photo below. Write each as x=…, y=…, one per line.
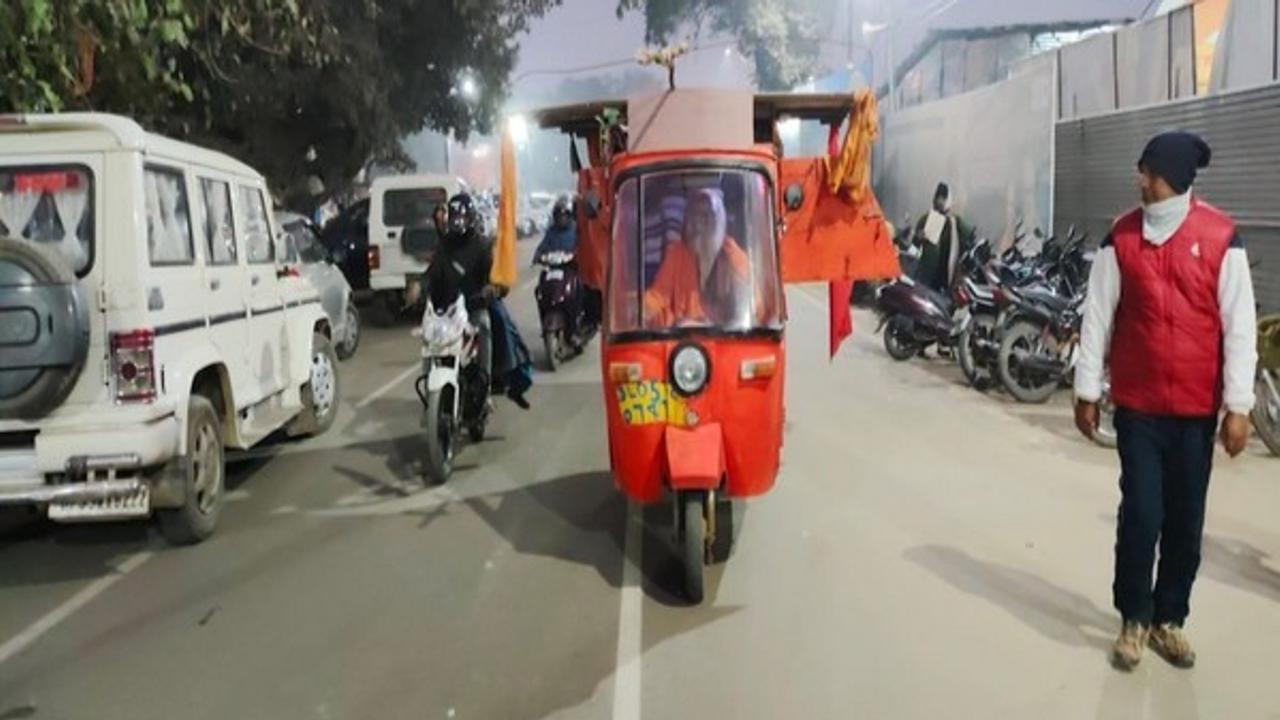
x=694, y=541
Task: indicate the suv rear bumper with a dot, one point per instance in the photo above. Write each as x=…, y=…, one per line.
x=95, y=463
x=71, y=493
x=152, y=442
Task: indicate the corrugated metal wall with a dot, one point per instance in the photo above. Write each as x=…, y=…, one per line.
x=1096, y=172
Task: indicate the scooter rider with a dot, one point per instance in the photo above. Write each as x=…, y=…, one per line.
x=562, y=236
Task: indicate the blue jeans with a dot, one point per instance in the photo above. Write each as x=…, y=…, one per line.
x=1164, y=479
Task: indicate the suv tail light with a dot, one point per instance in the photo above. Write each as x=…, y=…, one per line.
x=133, y=365
x=375, y=257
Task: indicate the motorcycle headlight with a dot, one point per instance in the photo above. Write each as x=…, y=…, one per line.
x=690, y=369
x=440, y=331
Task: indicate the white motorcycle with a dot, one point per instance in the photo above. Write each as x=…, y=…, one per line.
x=454, y=390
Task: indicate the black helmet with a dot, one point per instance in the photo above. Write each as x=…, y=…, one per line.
x=463, y=218
x=562, y=213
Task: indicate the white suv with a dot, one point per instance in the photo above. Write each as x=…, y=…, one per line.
x=402, y=230
x=143, y=326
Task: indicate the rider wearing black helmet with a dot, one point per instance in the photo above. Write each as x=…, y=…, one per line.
x=462, y=261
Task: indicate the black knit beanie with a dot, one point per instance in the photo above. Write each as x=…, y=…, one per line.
x=1176, y=156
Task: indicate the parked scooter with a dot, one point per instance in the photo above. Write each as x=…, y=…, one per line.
x=561, y=296
x=453, y=388
x=915, y=317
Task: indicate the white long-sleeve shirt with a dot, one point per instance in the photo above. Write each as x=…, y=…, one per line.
x=1235, y=305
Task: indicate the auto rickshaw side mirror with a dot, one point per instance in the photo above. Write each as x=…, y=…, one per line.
x=793, y=196
x=591, y=204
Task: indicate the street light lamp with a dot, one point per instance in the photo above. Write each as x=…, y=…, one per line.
x=518, y=127
x=469, y=88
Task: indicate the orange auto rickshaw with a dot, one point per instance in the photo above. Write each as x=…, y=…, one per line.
x=690, y=220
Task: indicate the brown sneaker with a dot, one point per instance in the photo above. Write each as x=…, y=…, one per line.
x=1126, y=653
x=1170, y=642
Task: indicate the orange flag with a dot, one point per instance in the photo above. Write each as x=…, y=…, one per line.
x=839, y=317
x=504, y=249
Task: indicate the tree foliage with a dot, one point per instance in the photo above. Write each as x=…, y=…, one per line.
x=295, y=87
x=780, y=36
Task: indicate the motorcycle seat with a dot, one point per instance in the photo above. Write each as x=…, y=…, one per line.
x=1047, y=298
x=937, y=298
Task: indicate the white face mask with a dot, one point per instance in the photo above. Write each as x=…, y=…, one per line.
x=1162, y=219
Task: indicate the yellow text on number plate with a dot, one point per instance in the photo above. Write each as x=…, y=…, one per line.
x=649, y=402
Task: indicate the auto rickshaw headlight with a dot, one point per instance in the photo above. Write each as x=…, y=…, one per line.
x=690, y=369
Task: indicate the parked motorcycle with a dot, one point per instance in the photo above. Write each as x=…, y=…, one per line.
x=1039, y=323
x=1266, y=408
x=1038, y=348
x=977, y=345
x=561, y=296
x=453, y=388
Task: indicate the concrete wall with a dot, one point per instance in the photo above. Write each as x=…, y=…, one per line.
x=993, y=146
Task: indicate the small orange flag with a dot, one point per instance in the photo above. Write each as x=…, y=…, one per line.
x=504, y=249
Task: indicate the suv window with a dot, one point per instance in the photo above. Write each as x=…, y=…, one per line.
x=413, y=206
x=219, y=230
x=51, y=205
x=168, y=217
x=308, y=247
x=257, y=232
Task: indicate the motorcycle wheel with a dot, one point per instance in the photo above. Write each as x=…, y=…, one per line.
x=898, y=341
x=1023, y=337
x=982, y=329
x=551, y=345
x=693, y=544
x=440, y=445
x=1266, y=411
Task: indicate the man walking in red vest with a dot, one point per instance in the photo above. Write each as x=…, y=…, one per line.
x=1170, y=303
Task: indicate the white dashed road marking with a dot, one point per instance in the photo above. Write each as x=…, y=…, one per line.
x=24, y=639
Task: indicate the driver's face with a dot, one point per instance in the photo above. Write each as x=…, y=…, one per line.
x=702, y=225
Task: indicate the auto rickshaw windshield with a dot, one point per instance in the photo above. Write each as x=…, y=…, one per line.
x=694, y=248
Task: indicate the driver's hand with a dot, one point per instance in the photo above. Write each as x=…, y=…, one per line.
x=1087, y=418
x=1235, y=433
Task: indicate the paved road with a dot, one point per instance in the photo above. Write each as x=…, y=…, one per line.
x=928, y=552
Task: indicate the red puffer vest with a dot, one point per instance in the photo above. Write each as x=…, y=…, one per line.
x=1166, y=347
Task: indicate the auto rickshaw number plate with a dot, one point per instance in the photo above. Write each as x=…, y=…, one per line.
x=650, y=402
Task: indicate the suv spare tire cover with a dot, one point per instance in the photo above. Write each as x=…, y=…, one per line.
x=44, y=329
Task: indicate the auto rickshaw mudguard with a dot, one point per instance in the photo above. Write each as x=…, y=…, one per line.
x=695, y=457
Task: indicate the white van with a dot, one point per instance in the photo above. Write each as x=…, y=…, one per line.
x=402, y=231
x=143, y=325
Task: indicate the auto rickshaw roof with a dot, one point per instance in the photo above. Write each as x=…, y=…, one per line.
x=581, y=118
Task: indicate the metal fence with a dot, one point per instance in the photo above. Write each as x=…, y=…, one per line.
x=1096, y=180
